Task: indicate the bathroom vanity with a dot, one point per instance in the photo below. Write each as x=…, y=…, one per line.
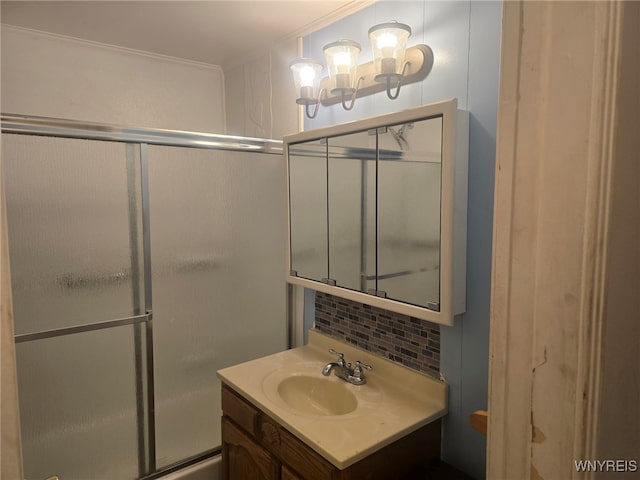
x=283, y=419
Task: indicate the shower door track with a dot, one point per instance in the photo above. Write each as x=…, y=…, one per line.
x=57, y=127
x=142, y=137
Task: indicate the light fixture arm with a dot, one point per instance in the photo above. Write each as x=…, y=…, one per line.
x=322, y=94
x=315, y=110
x=353, y=95
x=389, y=94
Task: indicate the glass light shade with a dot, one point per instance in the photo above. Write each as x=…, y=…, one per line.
x=389, y=42
x=306, y=76
x=342, y=62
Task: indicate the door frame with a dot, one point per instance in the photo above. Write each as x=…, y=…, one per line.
x=568, y=72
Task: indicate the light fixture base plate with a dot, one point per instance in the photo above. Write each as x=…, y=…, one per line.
x=306, y=101
x=340, y=92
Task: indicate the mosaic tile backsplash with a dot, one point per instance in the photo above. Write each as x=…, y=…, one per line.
x=406, y=340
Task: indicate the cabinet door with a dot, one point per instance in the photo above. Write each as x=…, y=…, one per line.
x=351, y=176
x=409, y=200
x=308, y=209
x=243, y=459
x=288, y=474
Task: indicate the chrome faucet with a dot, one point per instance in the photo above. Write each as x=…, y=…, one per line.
x=344, y=371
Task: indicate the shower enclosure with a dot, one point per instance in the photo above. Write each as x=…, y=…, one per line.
x=142, y=261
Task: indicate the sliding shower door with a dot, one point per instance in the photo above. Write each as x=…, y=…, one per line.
x=217, y=256
x=132, y=267
x=69, y=224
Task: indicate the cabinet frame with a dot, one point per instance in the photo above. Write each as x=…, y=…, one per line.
x=453, y=210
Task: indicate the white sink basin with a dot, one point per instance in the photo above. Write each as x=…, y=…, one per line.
x=317, y=395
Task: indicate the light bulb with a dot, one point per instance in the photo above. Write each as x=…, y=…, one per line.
x=387, y=40
x=307, y=76
x=342, y=59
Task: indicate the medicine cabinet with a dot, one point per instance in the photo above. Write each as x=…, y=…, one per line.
x=377, y=210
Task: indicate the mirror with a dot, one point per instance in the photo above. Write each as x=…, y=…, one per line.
x=307, y=210
x=352, y=210
x=377, y=210
x=409, y=180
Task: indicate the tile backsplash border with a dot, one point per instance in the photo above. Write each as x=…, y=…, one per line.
x=409, y=341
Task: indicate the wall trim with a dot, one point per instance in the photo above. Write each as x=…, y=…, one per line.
x=597, y=221
x=106, y=46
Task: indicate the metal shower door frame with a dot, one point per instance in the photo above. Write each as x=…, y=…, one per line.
x=142, y=322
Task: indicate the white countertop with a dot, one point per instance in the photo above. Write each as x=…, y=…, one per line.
x=394, y=402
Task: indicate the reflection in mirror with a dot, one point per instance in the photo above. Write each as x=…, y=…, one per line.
x=409, y=185
x=352, y=201
x=308, y=209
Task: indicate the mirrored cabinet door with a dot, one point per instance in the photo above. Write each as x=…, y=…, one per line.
x=308, y=209
x=352, y=204
x=409, y=200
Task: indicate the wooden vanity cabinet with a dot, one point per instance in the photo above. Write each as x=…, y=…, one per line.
x=244, y=458
x=256, y=447
x=289, y=475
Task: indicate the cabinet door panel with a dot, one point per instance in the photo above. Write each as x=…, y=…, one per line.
x=244, y=459
x=241, y=412
x=409, y=194
x=289, y=474
x=308, y=209
x=303, y=459
x=352, y=210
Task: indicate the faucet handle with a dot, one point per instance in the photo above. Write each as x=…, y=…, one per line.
x=357, y=372
x=340, y=355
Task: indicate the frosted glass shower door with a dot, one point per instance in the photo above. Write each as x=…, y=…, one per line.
x=217, y=256
x=70, y=208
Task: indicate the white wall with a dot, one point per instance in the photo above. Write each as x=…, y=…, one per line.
x=55, y=76
x=260, y=95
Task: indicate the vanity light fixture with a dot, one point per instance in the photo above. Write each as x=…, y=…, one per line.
x=342, y=62
x=393, y=65
x=389, y=42
x=306, y=76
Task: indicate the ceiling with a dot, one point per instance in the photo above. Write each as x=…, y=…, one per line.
x=215, y=32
